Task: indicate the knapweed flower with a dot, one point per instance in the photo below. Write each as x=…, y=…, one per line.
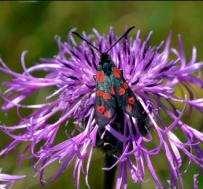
x=152, y=72
x=7, y=181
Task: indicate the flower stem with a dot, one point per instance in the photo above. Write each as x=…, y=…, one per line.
x=109, y=176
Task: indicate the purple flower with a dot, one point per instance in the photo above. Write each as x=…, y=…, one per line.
x=7, y=181
x=152, y=72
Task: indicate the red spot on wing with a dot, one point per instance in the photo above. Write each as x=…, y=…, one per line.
x=99, y=93
x=100, y=77
x=116, y=72
x=121, y=91
x=101, y=109
x=131, y=100
x=108, y=114
x=104, y=95
x=125, y=85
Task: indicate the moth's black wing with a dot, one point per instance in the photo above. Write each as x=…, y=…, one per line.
x=142, y=118
x=104, y=110
x=128, y=102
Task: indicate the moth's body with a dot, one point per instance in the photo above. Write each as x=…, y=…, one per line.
x=113, y=94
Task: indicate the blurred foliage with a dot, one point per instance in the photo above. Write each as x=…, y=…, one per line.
x=32, y=26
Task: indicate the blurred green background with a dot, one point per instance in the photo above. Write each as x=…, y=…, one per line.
x=32, y=26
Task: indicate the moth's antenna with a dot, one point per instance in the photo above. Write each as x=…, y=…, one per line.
x=78, y=35
x=124, y=35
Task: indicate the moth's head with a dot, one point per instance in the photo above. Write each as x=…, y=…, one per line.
x=105, y=58
x=106, y=63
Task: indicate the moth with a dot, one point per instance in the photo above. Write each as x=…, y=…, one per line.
x=113, y=93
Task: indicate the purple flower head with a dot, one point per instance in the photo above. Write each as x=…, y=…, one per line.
x=152, y=72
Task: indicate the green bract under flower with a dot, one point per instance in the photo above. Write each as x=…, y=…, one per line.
x=151, y=75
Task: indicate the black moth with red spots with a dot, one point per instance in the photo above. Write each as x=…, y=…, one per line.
x=113, y=94
x=113, y=99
